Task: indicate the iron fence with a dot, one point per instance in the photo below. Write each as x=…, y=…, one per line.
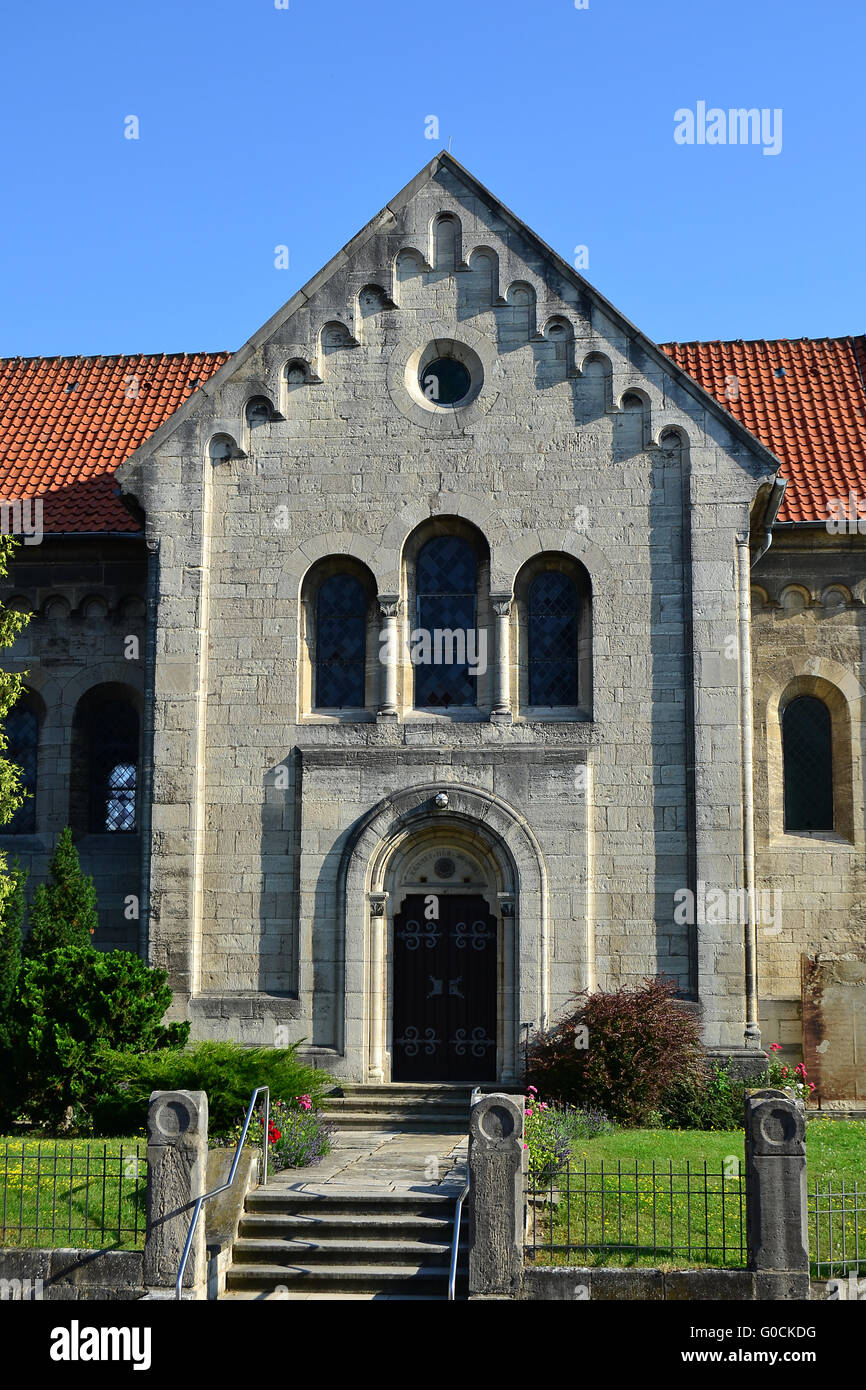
x=626, y=1215
x=837, y=1230
x=82, y=1196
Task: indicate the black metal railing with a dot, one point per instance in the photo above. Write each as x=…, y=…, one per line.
x=621, y=1214
x=837, y=1230
x=79, y=1195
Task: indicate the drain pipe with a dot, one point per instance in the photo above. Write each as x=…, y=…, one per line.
x=753, y=1032
x=750, y=943
x=151, y=603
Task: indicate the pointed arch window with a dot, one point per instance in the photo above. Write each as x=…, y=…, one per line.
x=807, y=764
x=22, y=733
x=446, y=602
x=553, y=638
x=341, y=643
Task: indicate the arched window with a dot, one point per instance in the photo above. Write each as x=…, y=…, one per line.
x=105, y=763
x=22, y=732
x=341, y=643
x=807, y=764
x=445, y=641
x=552, y=613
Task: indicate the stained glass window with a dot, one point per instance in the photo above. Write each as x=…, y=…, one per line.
x=807, y=758
x=22, y=731
x=552, y=640
x=341, y=643
x=446, y=587
x=113, y=730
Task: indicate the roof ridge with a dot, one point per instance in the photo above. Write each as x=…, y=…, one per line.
x=116, y=356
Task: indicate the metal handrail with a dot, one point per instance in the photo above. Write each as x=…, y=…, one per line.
x=455, y=1237
x=200, y=1201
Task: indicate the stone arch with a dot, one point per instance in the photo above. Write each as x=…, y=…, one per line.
x=406, y=285
x=596, y=371
x=843, y=695
x=334, y=337
x=446, y=242
x=479, y=288
x=836, y=596
x=794, y=598
x=498, y=831
x=223, y=447
x=633, y=422
x=328, y=567
x=577, y=574
x=518, y=325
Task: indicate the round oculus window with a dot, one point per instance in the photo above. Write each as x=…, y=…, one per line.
x=444, y=868
x=445, y=381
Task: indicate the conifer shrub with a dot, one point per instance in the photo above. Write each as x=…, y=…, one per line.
x=228, y=1072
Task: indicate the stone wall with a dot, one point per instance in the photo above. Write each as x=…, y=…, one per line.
x=808, y=624
x=72, y=1274
x=581, y=441
x=87, y=598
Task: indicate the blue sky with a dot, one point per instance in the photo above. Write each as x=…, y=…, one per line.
x=261, y=127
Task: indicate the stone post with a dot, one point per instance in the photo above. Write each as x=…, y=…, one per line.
x=776, y=1211
x=176, y=1176
x=389, y=649
x=501, y=705
x=497, y=1213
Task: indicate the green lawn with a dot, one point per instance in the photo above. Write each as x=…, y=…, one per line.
x=81, y=1193
x=681, y=1213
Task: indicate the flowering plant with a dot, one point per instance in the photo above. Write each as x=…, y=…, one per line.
x=785, y=1078
x=297, y=1134
x=550, y=1130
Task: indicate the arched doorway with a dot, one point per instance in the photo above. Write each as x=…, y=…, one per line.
x=376, y=874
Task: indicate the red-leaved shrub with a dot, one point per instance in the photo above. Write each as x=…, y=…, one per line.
x=638, y=1041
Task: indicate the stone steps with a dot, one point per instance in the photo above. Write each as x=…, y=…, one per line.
x=435, y=1109
x=338, y=1243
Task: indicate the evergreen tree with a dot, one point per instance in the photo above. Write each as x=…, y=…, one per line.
x=12, y=793
x=11, y=918
x=63, y=911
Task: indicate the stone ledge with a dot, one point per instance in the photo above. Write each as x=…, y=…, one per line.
x=253, y=1006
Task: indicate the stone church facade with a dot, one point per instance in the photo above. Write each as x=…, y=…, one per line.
x=480, y=657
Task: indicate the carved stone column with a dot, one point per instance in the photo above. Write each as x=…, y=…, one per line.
x=389, y=648
x=501, y=709
x=376, y=1067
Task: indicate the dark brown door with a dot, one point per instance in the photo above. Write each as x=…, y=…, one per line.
x=444, y=989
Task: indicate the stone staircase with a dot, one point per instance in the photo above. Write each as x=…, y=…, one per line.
x=296, y=1244
x=432, y=1109
x=375, y=1225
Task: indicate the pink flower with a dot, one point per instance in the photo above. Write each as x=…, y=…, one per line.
x=775, y=1047
x=532, y=1089
x=526, y=1146
x=529, y=1112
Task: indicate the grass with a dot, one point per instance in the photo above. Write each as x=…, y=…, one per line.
x=84, y=1194
x=683, y=1214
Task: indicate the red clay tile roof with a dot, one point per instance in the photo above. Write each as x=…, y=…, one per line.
x=66, y=423
x=805, y=399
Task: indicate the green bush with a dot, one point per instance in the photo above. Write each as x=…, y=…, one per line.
x=713, y=1099
x=229, y=1073
x=617, y=1052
